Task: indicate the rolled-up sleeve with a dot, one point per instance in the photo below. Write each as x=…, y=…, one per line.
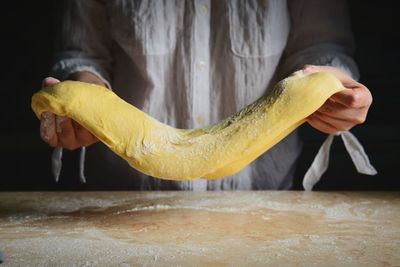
x=320, y=35
x=85, y=41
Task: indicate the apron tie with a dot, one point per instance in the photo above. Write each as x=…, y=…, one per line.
x=321, y=160
x=56, y=163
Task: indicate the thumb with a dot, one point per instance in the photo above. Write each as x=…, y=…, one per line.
x=49, y=81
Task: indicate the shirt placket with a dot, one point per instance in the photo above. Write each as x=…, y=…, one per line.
x=201, y=79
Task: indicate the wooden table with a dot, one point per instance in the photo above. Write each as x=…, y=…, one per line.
x=260, y=228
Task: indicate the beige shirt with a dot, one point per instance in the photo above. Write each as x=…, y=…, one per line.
x=193, y=63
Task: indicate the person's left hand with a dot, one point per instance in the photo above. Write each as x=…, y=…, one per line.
x=343, y=110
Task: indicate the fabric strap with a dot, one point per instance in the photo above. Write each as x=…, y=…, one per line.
x=56, y=163
x=321, y=161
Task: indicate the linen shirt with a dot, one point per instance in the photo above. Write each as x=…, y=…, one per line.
x=193, y=63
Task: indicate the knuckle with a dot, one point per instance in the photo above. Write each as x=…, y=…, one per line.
x=353, y=100
x=359, y=119
x=371, y=98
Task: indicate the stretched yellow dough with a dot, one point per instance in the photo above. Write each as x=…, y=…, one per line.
x=165, y=152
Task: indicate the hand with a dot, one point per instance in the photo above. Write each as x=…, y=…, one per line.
x=343, y=110
x=58, y=131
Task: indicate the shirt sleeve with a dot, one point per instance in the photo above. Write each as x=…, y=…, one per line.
x=85, y=41
x=320, y=34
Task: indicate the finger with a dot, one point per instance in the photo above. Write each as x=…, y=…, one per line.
x=356, y=95
x=84, y=137
x=66, y=134
x=49, y=81
x=338, y=123
x=354, y=98
x=336, y=110
x=48, y=128
x=321, y=125
x=331, y=107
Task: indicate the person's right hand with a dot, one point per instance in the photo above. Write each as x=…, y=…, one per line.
x=58, y=131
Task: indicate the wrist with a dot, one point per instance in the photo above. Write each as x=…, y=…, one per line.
x=86, y=76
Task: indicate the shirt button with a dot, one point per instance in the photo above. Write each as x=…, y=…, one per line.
x=201, y=64
x=203, y=10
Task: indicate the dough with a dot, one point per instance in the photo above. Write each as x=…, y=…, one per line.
x=213, y=152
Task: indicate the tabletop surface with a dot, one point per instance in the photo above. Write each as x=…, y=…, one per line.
x=258, y=228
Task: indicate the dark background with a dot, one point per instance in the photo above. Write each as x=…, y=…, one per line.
x=27, y=33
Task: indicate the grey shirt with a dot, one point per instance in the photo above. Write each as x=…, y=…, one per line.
x=193, y=63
